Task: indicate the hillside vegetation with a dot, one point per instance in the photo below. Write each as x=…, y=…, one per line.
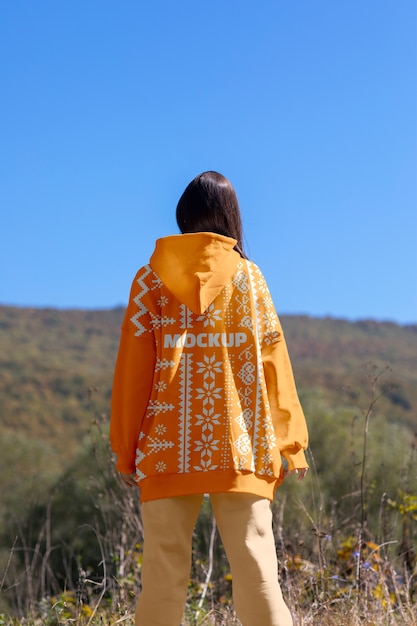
x=348, y=529
x=56, y=367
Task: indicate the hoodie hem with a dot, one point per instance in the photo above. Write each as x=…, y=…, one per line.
x=157, y=487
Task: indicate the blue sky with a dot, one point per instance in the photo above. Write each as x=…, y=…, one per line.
x=109, y=109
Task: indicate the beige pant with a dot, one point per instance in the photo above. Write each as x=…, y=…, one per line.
x=245, y=525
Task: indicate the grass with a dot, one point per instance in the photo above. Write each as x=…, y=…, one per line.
x=345, y=540
x=342, y=612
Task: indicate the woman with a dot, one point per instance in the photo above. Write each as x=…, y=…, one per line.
x=204, y=401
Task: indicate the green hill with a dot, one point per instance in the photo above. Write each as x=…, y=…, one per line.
x=58, y=490
x=56, y=368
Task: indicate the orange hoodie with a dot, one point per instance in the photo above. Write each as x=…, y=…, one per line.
x=204, y=398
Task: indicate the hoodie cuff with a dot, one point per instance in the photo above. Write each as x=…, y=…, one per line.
x=295, y=461
x=124, y=466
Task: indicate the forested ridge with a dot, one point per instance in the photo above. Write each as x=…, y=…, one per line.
x=56, y=367
x=358, y=386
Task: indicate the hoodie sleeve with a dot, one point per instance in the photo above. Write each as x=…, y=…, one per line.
x=132, y=383
x=287, y=414
x=131, y=391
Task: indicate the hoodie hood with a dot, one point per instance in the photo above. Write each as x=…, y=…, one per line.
x=195, y=266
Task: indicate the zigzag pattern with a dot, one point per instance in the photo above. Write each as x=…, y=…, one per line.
x=138, y=301
x=139, y=457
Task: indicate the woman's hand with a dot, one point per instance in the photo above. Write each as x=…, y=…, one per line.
x=300, y=472
x=128, y=479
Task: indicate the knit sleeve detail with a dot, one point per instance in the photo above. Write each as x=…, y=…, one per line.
x=138, y=318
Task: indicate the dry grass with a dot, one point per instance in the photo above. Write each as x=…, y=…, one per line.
x=340, y=567
x=336, y=615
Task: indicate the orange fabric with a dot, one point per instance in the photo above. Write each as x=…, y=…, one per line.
x=204, y=398
x=196, y=267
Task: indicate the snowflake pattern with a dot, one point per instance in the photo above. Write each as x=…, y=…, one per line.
x=207, y=444
x=210, y=367
x=209, y=394
x=265, y=471
x=221, y=417
x=160, y=466
x=207, y=419
x=163, y=301
x=269, y=320
x=267, y=458
x=268, y=441
x=210, y=316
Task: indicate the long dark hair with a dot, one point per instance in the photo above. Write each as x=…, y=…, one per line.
x=209, y=204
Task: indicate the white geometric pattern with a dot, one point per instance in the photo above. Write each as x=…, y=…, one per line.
x=210, y=316
x=185, y=395
x=207, y=419
x=163, y=364
x=155, y=407
x=219, y=417
x=161, y=321
x=209, y=393
x=247, y=373
x=240, y=279
x=243, y=444
x=186, y=317
x=138, y=301
x=209, y=367
x=207, y=445
x=156, y=445
x=244, y=420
